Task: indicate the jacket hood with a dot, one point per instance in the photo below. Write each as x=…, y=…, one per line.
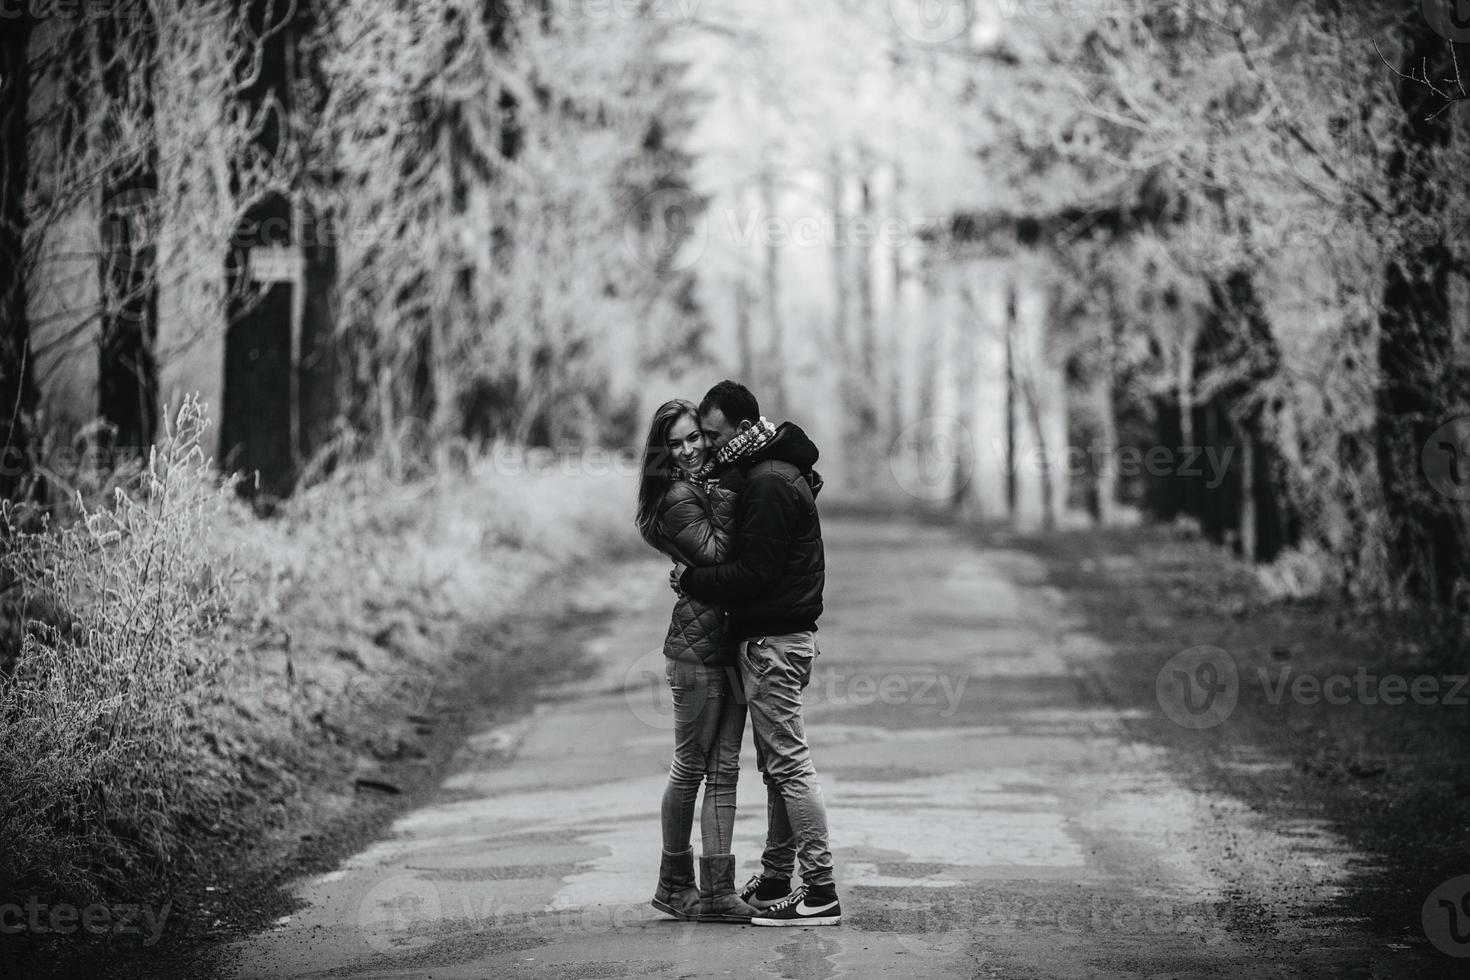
x=789, y=445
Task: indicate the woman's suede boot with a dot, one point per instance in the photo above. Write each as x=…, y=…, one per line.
x=718, y=900
x=676, y=893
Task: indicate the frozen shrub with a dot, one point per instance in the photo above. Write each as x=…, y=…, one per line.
x=184, y=669
x=101, y=740
x=1306, y=573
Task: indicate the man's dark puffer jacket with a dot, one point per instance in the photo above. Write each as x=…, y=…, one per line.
x=773, y=583
x=696, y=529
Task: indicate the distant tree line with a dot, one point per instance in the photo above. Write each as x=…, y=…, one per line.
x=1255, y=216
x=407, y=221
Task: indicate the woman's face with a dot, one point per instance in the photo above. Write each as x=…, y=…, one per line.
x=686, y=443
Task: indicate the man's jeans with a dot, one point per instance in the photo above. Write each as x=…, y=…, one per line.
x=775, y=670
x=709, y=723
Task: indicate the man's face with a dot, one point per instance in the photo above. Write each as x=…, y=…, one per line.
x=717, y=429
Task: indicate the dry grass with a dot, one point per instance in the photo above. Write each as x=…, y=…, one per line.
x=1308, y=572
x=183, y=664
x=1391, y=777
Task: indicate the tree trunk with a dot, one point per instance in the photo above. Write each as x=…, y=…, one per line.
x=1010, y=422
x=256, y=424
x=842, y=332
x=841, y=304
x=127, y=371
x=776, y=356
x=503, y=242
x=1106, y=409
x=967, y=379
x=1184, y=388
x=931, y=348
x=1237, y=337
x=744, y=347
x=1106, y=449
x=442, y=421
x=1187, y=488
x=320, y=351
x=867, y=380
x=1027, y=371
x=1415, y=355
x=898, y=323
x=17, y=376
x=1248, y=512
x=1033, y=410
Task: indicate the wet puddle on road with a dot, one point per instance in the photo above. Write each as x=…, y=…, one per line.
x=809, y=957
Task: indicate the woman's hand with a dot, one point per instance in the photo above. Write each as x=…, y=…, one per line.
x=674, y=575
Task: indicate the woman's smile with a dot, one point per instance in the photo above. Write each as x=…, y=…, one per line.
x=687, y=443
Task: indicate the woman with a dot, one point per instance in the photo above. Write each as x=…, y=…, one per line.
x=689, y=520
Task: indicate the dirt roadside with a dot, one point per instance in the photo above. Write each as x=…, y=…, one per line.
x=1387, y=769
x=496, y=673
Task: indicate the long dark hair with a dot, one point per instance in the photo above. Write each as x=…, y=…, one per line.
x=658, y=465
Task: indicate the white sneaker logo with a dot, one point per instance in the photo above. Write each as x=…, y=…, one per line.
x=803, y=908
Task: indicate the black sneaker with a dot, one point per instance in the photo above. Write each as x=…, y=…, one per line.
x=795, y=910
x=760, y=892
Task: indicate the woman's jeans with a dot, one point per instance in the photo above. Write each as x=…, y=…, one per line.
x=709, y=722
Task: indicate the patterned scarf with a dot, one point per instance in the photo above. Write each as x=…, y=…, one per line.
x=701, y=477
x=698, y=476
x=746, y=442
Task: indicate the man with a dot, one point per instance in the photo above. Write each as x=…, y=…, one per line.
x=772, y=591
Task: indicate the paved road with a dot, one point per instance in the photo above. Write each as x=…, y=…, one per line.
x=990, y=816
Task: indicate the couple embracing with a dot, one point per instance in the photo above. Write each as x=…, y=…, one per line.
x=731, y=499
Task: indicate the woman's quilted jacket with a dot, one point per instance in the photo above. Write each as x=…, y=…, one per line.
x=696, y=528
